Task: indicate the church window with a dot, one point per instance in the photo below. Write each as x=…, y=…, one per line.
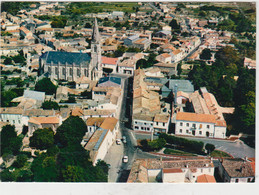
x=86, y=73
x=64, y=71
x=70, y=71
x=49, y=69
x=78, y=72
x=56, y=71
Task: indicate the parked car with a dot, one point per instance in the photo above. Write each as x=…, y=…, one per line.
x=118, y=141
x=124, y=139
x=125, y=159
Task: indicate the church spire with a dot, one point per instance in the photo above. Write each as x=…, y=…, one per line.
x=95, y=35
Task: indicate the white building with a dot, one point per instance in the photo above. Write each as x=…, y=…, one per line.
x=201, y=125
x=161, y=123
x=102, y=139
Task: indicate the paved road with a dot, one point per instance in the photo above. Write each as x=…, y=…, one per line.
x=236, y=149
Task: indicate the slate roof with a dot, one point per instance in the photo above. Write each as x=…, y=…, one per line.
x=66, y=57
x=37, y=95
x=183, y=85
x=112, y=79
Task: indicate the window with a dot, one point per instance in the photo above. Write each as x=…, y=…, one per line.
x=64, y=71
x=7, y=121
x=187, y=124
x=201, y=170
x=156, y=123
x=136, y=122
x=187, y=131
x=142, y=128
x=136, y=127
x=56, y=71
x=19, y=121
x=145, y=123
x=163, y=124
x=209, y=169
x=70, y=71
x=78, y=72
x=248, y=179
x=151, y=124
x=101, y=106
x=236, y=181
x=200, y=132
x=208, y=126
x=181, y=124
x=148, y=128
x=13, y=121
x=194, y=125
x=181, y=130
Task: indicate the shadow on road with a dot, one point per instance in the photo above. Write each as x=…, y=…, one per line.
x=123, y=177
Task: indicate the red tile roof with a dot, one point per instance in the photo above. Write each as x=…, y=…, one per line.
x=187, y=116
x=206, y=179
x=172, y=170
x=107, y=60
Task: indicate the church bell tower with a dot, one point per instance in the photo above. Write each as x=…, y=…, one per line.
x=95, y=68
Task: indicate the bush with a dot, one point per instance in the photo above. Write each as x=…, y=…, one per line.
x=152, y=145
x=210, y=148
x=188, y=145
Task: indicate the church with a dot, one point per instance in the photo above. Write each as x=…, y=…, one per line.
x=71, y=66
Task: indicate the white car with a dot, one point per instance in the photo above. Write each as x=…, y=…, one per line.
x=124, y=139
x=118, y=141
x=125, y=159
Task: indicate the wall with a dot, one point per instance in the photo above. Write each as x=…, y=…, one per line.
x=173, y=177
x=200, y=127
x=220, y=132
x=142, y=124
x=162, y=127
x=104, y=147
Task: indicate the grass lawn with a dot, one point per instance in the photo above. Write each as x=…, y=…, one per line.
x=217, y=153
x=177, y=152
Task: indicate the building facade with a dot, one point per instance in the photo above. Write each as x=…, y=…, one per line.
x=72, y=65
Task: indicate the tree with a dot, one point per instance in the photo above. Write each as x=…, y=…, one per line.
x=19, y=59
x=88, y=25
x=6, y=98
x=25, y=176
x=73, y=174
x=49, y=105
x=206, y=54
x=87, y=94
x=209, y=147
x=20, y=161
x=10, y=142
x=174, y=24
x=42, y=139
x=45, y=85
x=8, y=61
x=67, y=134
x=45, y=169
x=7, y=175
x=142, y=63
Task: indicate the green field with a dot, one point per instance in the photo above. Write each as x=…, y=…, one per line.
x=97, y=7
x=177, y=152
x=217, y=153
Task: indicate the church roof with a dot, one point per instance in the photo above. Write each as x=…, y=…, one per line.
x=66, y=57
x=95, y=35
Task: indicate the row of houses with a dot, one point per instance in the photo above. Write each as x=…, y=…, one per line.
x=192, y=170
